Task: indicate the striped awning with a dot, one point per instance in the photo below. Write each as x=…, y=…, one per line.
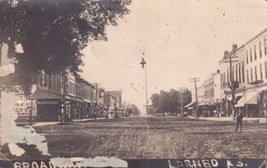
x=248, y=98
x=190, y=105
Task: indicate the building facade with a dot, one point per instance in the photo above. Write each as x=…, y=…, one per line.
x=48, y=96
x=249, y=77
x=254, y=100
x=55, y=92
x=113, y=99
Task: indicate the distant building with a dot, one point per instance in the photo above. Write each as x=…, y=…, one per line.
x=113, y=99
x=52, y=90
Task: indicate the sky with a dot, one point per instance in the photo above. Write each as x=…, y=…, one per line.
x=181, y=39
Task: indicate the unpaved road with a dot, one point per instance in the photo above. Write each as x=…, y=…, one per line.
x=156, y=137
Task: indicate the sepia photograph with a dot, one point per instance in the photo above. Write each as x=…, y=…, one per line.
x=133, y=83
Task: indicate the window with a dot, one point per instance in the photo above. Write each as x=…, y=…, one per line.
x=45, y=79
x=247, y=77
x=251, y=74
x=236, y=74
x=42, y=80
x=55, y=82
x=255, y=53
x=243, y=72
x=256, y=75
x=239, y=72
x=70, y=88
x=50, y=81
x=260, y=49
x=247, y=56
x=221, y=77
x=58, y=83
x=232, y=73
x=261, y=72
x=265, y=47
x=250, y=53
x=227, y=75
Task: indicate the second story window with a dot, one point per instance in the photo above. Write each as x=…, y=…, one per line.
x=261, y=72
x=55, y=82
x=243, y=72
x=236, y=72
x=256, y=75
x=247, y=56
x=42, y=78
x=265, y=46
x=260, y=49
x=239, y=72
x=251, y=74
x=255, y=52
x=227, y=75
x=247, y=77
x=250, y=53
x=50, y=81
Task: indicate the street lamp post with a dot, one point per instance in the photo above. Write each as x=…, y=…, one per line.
x=143, y=63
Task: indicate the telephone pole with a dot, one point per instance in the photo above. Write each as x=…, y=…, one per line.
x=195, y=80
x=230, y=56
x=97, y=85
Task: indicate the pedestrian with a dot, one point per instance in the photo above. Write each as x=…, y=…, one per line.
x=239, y=119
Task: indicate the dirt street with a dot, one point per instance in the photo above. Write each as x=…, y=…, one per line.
x=156, y=137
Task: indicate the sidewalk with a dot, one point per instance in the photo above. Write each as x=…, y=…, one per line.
x=245, y=119
x=58, y=122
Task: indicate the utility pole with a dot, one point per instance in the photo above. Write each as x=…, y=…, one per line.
x=231, y=55
x=195, y=80
x=64, y=80
x=97, y=85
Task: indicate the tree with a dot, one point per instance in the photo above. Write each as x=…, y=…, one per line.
x=186, y=97
x=52, y=33
x=170, y=101
x=134, y=110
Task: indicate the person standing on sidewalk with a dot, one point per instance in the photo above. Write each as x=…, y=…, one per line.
x=239, y=119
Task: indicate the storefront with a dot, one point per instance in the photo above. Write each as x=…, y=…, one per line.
x=74, y=108
x=48, y=105
x=263, y=103
x=250, y=104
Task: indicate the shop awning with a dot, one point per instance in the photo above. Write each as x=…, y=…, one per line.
x=190, y=105
x=201, y=104
x=76, y=99
x=88, y=101
x=43, y=94
x=248, y=98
